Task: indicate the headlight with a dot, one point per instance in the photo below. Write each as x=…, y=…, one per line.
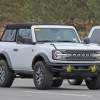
x=57, y=55
x=96, y=55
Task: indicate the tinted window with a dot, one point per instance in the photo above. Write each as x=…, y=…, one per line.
x=24, y=36
x=95, y=38
x=56, y=34
x=9, y=35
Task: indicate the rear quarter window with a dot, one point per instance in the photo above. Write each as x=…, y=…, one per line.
x=9, y=35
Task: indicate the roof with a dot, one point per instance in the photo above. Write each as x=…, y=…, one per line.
x=18, y=25
x=28, y=25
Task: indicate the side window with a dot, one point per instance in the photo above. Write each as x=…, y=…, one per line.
x=9, y=35
x=95, y=37
x=24, y=36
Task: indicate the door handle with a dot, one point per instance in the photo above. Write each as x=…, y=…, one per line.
x=15, y=49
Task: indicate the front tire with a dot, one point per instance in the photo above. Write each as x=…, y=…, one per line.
x=6, y=75
x=42, y=77
x=93, y=83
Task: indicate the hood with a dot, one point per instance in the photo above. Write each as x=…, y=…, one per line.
x=74, y=46
x=77, y=46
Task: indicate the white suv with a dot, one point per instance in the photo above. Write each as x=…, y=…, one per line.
x=48, y=54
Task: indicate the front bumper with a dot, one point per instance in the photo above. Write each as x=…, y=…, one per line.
x=78, y=70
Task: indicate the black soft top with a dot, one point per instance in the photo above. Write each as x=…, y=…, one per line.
x=18, y=26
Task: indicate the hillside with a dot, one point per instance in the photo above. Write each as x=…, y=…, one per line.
x=81, y=13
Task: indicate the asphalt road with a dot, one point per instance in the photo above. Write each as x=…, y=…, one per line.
x=23, y=89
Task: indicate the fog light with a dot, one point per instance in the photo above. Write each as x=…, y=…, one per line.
x=69, y=68
x=93, y=68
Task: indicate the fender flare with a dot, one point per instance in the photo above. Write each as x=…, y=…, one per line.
x=7, y=57
x=43, y=56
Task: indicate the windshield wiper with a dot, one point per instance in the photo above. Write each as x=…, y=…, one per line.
x=57, y=41
x=46, y=41
x=65, y=41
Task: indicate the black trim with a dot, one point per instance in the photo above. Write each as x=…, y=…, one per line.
x=18, y=26
x=74, y=64
x=83, y=72
x=7, y=58
x=29, y=25
x=76, y=74
x=46, y=59
x=23, y=74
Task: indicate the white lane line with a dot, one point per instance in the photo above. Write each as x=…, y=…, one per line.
x=62, y=94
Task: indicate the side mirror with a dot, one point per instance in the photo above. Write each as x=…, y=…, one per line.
x=24, y=40
x=86, y=40
x=28, y=41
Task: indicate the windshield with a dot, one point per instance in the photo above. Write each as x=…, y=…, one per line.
x=56, y=35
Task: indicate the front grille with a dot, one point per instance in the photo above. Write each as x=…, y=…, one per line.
x=80, y=55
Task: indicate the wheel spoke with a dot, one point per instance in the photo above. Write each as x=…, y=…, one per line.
x=2, y=74
x=39, y=75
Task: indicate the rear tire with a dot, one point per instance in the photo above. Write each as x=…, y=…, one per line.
x=57, y=83
x=42, y=77
x=93, y=83
x=75, y=81
x=6, y=75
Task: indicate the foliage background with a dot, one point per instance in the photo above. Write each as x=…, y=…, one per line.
x=83, y=14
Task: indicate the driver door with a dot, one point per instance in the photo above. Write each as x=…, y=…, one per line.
x=22, y=53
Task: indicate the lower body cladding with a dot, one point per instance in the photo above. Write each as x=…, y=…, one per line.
x=72, y=71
